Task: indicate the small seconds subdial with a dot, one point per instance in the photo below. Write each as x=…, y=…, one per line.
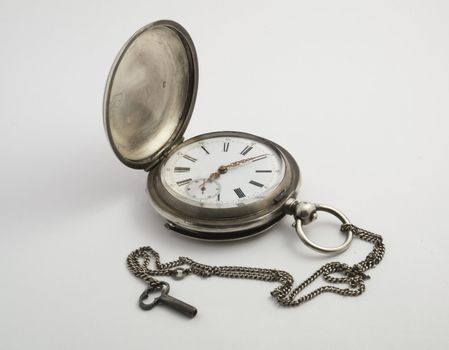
x=223, y=172
x=202, y=189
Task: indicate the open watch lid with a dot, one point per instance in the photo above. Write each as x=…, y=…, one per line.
x=150, y=93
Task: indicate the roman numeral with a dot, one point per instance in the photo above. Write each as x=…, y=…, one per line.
x=239, y=192
x=255, y=183
x=190, y=158
x=218, y=197
x=225, y=146
x=264, y=171
x=260, y=158
x=181, y=169
x=246, y=150
x=183, y=182
x=205, y=150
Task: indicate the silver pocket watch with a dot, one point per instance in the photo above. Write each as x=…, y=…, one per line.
x=218, y=186
x=223, y=185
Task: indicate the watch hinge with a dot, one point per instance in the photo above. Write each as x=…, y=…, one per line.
x=164, y=154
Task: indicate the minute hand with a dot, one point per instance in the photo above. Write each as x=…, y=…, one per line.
x=242, y=161
x=224, y=168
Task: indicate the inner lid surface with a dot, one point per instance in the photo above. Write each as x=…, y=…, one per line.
x=150, y=93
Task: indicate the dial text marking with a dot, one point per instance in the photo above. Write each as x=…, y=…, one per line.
x=239, y=192
x=255, y=183
x=183, y=182
x=181, y=169
x=246, y=150
x=190, y=158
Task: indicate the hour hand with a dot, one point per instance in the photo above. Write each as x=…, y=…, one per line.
x=212, y=177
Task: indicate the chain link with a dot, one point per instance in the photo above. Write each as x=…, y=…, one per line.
x=354, y=276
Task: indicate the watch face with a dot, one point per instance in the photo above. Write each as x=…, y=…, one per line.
x=223, y=172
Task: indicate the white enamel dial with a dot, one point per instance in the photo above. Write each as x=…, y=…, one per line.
x=223, y=172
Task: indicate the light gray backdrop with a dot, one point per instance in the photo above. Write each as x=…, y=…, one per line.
x=357, y=91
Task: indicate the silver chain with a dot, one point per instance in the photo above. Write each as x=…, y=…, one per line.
x=354, y=276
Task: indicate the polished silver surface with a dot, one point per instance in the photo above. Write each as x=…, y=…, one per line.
x=305, y=212
x=150, y=93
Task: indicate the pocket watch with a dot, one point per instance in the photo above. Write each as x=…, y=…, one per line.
x=218, y=186
x=221, y=185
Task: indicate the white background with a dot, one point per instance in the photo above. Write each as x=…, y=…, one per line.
x=357, y=91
